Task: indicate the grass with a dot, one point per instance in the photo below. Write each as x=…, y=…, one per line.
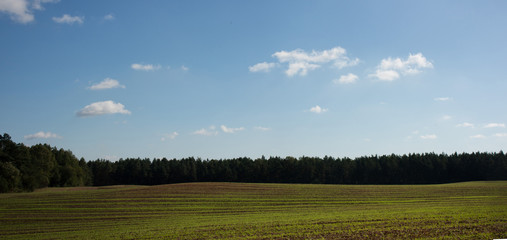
x=472, y=210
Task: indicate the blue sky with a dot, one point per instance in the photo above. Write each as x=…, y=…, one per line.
x=224, y=79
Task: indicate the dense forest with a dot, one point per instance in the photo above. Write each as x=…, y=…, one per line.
x=25, y=168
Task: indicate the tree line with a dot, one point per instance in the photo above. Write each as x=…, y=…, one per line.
x=28, y=168
x=25, y=168
x=387, y=169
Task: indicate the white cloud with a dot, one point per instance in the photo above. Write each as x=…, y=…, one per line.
x=494, y=125
x=336, y=54
x=184, y=68
x=262, y=67
x=37, y=4
x=500, y=135
x=206, y=132
x=263, y=129
x=318, y=109
x=465, y=124
x=446, y=117
x=68, y=19
x=390, y=69
x=231, y=130
x=300, y=62
x=171, y=136
x=386, y=75
x=478, y=136
x=301, y=68
x=101, y=108
x=21, y=10
x=442, y=99
x=429, y=136
x=346, y=79
x=18, y=10
x=45, y=135
x=145, y=67
x=108, y=83
x=346, y=62
x=109, y=17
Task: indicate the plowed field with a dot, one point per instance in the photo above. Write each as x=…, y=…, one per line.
x=472, y=210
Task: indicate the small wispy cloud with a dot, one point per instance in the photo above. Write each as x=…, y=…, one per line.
x=478, y=136
x=442, y=99
x=500, y=135
x=37, y=4
x=346, y=79
x=171, y=136
x=68, y=19
x=465, y=124
x=318, y=109
x=231, y=130
x=44, y=135
x=300, y=62
x=109, y=17
x=262, y=128
x=390, y=69
x=494, y=125
x=446, y=117
x=211, y=131
x=262, y=67
x=145, y=67
x=184, y=68
x=428, y=136
x=101, y=108
x=107, y=83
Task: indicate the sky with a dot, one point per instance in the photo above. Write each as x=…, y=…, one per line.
x=225, y=79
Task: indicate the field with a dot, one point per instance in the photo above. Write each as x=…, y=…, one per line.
x=472, y=210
